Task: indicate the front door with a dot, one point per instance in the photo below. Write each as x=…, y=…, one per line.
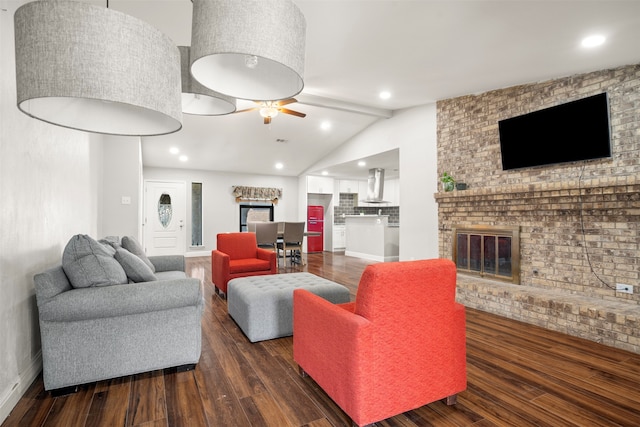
x=165, y=215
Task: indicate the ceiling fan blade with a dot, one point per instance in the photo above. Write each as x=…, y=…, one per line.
x=286, y=101
x=293, y=113
x=267, y=120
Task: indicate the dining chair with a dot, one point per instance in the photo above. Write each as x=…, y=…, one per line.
x=292, y=237
x=267, y=235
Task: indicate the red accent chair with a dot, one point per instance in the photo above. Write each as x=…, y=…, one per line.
x=238, y=255
x=399, y=346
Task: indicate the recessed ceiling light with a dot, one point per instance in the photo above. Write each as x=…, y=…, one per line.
x=362, y=163
x=183, y=158
x=325, y=173
x=593, y=41
x=279, y=165
x=174, y=150
x=385, y=94
x=325, y=125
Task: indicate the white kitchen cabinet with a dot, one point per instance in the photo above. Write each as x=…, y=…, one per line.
x=339, y=237
x=392, y=192
x=319, y=185
x=363, y=188
x=349, y=186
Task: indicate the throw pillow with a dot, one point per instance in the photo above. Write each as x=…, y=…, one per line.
x=134, y=267
x=132, y=245
x=108, y=246
x=87, y=263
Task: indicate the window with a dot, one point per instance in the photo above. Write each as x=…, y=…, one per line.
x=196, y=214
x=488, y=251
x=255, y=212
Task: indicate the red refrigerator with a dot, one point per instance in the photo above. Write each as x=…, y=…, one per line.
x=315, y=223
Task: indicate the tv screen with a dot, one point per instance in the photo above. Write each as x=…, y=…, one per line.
x=577, y=130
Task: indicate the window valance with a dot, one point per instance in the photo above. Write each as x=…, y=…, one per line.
x=257, y=193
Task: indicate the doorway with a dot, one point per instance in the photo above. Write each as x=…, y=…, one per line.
x=164, y=219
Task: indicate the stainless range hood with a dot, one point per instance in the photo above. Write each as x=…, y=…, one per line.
x=375, y=189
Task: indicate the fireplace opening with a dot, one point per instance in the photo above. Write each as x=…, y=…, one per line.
x=488, y=251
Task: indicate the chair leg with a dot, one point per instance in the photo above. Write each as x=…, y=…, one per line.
x=451, y=400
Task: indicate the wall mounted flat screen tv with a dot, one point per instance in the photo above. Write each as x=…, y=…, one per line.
x=574, y=131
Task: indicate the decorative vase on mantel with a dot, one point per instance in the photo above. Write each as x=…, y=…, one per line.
x=448, y=183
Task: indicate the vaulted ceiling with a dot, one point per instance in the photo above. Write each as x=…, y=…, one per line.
x=419, y=51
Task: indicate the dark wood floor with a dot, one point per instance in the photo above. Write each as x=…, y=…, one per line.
x=518, y=375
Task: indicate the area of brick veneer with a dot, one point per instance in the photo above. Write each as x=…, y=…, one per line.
x=581, y=240
x=579, y=222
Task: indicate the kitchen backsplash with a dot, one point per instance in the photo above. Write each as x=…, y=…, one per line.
x=349, y=206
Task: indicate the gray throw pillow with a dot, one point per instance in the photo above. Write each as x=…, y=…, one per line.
x=108, y=246
x=132, y=245
x=134, y=267
x=87, y=263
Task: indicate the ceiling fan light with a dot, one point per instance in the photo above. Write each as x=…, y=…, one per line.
x=197, y=99
x=95, y=69
x=268, y=112
x=228, y=34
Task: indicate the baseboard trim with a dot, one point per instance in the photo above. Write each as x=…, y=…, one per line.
x=25, y=379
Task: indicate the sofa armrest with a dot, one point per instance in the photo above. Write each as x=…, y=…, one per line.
x=122, y=300
x=330, y=342
x=168, y=262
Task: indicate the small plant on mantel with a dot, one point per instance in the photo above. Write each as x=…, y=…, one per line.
x=448, y=183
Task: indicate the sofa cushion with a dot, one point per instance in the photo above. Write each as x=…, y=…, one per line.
x=134, y=267
x=248, y=264
x=131, y=244
x=87, y=263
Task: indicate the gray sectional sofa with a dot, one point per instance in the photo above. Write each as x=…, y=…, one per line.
x=106, y=330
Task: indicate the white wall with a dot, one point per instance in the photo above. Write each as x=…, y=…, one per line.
x=49, y=190
x=122, y=161
x=220, y=211
x=413, y=131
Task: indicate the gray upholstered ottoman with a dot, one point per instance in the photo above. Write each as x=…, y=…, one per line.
x=263, y=305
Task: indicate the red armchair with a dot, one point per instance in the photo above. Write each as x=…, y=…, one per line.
x=238, y=255
x=399, y=346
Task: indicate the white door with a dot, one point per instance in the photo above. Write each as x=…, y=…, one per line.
x=165, y=218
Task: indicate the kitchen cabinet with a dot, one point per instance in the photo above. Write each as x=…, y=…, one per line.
x=392, y=192
x=339, y=237
x=348, y=186
x=319, y=185
x=363, y=188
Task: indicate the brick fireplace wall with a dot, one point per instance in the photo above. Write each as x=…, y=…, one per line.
x=579, y=222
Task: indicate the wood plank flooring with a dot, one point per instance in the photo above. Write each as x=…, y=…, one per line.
x=518, y=375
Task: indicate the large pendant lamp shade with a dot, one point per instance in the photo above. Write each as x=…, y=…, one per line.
x=94, y=69
x=249, y=49
x=197, y=99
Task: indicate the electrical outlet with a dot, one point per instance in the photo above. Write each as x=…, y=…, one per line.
x=626, y=289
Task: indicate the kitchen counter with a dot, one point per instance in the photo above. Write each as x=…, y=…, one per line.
x=370, y=237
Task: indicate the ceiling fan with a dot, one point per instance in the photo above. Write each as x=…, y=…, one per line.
x=270, y=109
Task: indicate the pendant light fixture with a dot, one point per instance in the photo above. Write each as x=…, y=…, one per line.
x=197, y=99
x=95, y=69
x=249, y=49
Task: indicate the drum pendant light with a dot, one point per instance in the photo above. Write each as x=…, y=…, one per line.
x=95, y=69
x=249, y=49
x=197, y=99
